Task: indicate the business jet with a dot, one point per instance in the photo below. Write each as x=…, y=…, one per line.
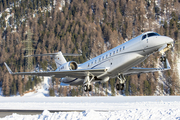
x=116, y=62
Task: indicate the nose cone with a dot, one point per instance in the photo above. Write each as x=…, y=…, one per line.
x=163, y=40
x=168, y=40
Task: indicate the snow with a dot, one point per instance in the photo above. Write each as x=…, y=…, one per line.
x=38, y=93
x=96, y=108
x=42, y=90
x=136, y=114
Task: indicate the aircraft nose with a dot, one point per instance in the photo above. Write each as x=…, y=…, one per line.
x=169, y=40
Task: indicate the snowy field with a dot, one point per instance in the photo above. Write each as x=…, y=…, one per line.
x=95, y=108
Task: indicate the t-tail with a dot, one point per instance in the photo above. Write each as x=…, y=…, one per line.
x=58, y=57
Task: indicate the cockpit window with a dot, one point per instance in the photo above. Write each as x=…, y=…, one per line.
x=153, y=34
x=143, y=37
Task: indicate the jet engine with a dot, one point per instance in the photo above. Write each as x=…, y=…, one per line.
x=71, y=65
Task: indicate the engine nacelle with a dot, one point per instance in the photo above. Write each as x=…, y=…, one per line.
x=71, y=65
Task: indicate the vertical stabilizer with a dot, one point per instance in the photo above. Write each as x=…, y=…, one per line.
x=59, y=59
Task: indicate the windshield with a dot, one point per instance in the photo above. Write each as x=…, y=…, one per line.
x=143, y=37
x=152, y=34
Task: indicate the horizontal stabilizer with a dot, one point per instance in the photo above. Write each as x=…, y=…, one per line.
x=69, y=54
x=53, y=54
x=37, y=55
x=58, y=57
x=9, y=70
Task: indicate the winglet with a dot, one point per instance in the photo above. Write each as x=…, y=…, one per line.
x=9, y=70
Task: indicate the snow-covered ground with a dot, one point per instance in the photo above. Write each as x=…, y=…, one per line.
x=119, y=107
x=94, y=108
x=135, y=114
x=41, y=90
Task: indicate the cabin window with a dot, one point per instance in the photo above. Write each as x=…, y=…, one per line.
x=88, y=65
x=114, y=52
x=117, y=51
x=110, y=54
x=99, y=59
x=95, y=61
x=91, y=63
x=123, y=47
x=103, y=58
x=120, y=50
x=143, y=37
x=107, y=56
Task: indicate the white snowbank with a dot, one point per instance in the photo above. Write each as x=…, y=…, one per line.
x=120, y=107
x=130, y=114
x=86, y=103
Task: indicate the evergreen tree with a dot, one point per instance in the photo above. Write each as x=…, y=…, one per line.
x=28, y=84
x=14, y=89
x=147, y=89
x=32, y=84
x=73, y=92
x=20, y=87
x=106, y=88
x=127, y=86
x=35, y=80
x=112, y=82
x=51, y=92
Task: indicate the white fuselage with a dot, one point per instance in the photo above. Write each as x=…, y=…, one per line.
x=121, y=58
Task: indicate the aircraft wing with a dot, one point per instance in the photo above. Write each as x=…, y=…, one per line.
x=135, y=70
x=59, y=74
